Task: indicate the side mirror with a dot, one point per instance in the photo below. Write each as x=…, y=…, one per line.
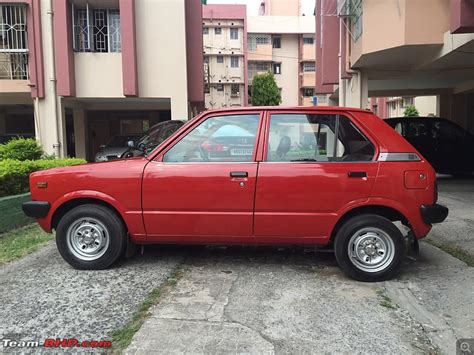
x=141, y=147
x=131, y=144
x=102, y=146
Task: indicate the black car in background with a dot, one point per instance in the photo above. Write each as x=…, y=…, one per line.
x=448, y=147
x=154, y=137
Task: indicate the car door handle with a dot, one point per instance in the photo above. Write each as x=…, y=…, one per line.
x=357, y=174
x=239, y=174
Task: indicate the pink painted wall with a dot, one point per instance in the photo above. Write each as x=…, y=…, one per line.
x=224, y=12
x=194, y=57
x=330, y=43
x=129, y=50
x=462, y=16
x=321, y=87
x=63, y=51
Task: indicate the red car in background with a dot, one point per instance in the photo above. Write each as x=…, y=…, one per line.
x=257, y=175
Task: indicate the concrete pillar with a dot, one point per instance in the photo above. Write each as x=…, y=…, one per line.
x=80, y=132
x=179, y=107
x=3, y=123
x=356, y=91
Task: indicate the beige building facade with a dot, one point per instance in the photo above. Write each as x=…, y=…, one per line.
x=224, y=38
x=284, y=45
x=89, y=70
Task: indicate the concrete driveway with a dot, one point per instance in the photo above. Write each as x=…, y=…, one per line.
x=252, y=299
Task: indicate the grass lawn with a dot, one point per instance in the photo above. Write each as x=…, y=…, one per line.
x=19, y=242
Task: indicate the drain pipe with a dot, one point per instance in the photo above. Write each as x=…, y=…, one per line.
x=52, y=79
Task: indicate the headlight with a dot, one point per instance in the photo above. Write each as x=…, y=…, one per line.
x=100, y=158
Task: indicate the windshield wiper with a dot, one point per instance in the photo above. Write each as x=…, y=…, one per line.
x=304, y=159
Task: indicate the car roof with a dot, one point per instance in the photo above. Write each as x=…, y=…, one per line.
x=289, y=108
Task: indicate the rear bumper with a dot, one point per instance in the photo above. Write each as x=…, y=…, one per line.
x=433, y=213
x=36, y=209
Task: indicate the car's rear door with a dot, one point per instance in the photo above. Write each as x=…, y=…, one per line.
x=202, y=187
x=308, y=175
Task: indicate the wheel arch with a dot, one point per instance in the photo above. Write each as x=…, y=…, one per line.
x=390, y=213
x=72, y=203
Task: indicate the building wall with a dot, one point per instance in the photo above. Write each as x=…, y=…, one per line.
x=143, y=76
x=162, y=22
x=291, y=55
x=426, y=105
x=221, y=77
x=98, y=74
x=287, y=55
x=282, y=7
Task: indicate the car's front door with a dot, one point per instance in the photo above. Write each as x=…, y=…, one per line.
x=203, y=186
x=310, y=174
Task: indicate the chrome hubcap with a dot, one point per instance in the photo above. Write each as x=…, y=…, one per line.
x=371, y=249
x=87, y=238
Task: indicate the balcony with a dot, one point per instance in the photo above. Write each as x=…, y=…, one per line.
x=13, y=65
x=308, y=53
x=308, y=80
x=13, y=43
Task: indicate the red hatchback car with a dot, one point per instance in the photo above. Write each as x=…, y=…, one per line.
x=258, y=175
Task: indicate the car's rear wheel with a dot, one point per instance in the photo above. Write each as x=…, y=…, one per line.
x=90, y=237
x=369, y=248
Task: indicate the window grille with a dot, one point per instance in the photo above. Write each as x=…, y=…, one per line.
x=234, y=90
x=96, y=30
x=13, y=42
x=309, y=66
x=257, y=39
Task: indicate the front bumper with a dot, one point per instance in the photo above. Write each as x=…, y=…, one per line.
x=433, y=213
x=36, y=209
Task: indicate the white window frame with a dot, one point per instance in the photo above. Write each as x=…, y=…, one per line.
x=234, y=62
x=234, y=33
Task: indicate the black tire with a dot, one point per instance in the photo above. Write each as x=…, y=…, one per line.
x=106, y=221
x=381, y=227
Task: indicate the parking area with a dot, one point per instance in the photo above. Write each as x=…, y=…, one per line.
x=253, y=299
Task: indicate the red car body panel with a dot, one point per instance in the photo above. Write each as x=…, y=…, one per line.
x=296, y=203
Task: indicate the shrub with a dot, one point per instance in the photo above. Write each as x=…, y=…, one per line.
x=21, y=149
x=14, y=174
x=265, y=90
x=411, y=111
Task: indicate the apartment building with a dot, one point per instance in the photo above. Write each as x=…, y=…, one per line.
x=225, y=60
x=77, y=72
x=281, y=41
x=386, y=107
x=407, y=48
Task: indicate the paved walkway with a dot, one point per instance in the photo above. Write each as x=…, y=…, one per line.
x=43, y=297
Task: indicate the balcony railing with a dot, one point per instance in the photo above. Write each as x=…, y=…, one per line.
x=13, y=42
x=13, y=66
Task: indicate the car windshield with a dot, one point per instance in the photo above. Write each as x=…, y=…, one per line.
x=121, y=141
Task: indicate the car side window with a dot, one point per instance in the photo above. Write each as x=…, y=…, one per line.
x=218, y=139
x=416, y=129
x=446, y=130
x=319, y=138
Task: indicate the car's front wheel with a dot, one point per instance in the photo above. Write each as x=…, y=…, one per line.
x=369, y=248
x=90, y=237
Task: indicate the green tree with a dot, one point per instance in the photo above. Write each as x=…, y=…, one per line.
x=265, y=91
x=411, y=111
